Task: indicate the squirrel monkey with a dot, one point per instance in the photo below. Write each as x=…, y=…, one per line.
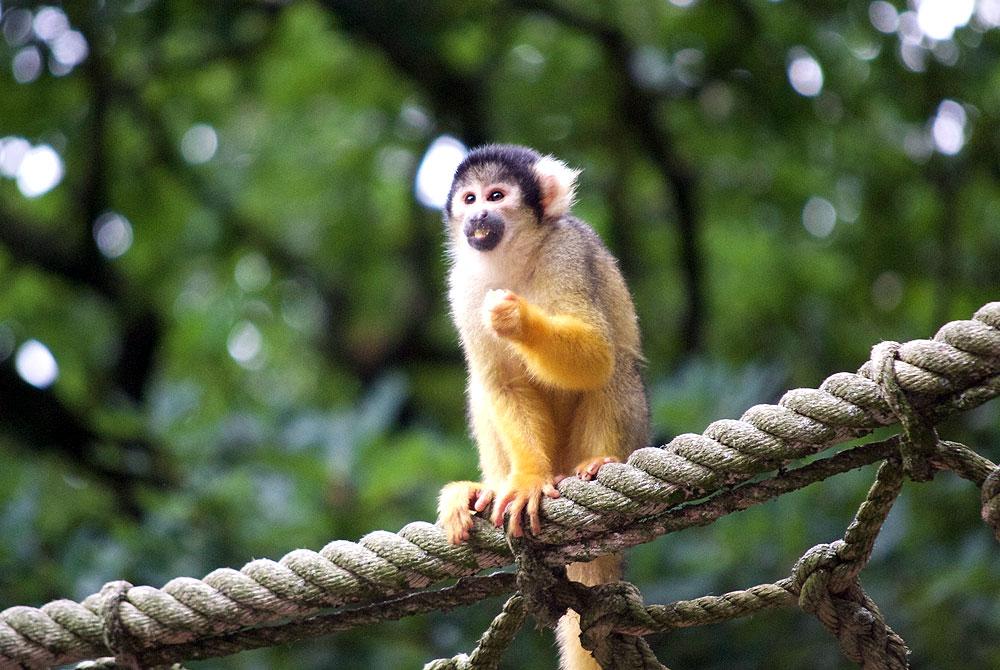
x=552, y=345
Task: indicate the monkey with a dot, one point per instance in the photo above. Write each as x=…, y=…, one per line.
x=552, y=345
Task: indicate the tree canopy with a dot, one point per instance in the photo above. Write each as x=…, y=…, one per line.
x=223, y=331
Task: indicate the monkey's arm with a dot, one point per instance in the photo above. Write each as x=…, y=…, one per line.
x=559, y=349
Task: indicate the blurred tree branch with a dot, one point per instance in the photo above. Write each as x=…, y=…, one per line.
x=29, y=245
x=410, y=35
x=38, y=418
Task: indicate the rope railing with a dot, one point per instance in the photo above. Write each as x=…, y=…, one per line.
x=692, y=480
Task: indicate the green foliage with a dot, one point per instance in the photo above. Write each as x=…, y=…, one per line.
x=267, y=361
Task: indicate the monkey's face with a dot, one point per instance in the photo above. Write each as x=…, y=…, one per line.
x=486, y=211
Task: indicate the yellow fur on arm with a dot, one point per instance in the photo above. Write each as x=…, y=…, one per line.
x=564, y=351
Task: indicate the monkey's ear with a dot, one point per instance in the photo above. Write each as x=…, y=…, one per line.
x=557, y=182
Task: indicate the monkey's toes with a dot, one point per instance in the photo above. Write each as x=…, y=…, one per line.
x=457, y=526
x=587, y=470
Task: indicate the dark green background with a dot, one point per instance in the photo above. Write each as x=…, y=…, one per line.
x=155, y=454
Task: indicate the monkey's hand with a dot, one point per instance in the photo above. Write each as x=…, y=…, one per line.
x=503, y=312
x=523, y=492
x=455, y=505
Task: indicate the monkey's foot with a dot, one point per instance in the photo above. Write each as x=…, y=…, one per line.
x=455, y=507
x=522, y=493
x=502, y=312
x=587, y=470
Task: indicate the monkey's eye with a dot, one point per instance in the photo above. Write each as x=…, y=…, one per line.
x=495, y=195
x=469, y=198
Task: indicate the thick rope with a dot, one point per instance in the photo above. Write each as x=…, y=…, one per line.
x=731, y=500
x=958, y=369
x=850, y=553
x=824, y=582
x=466, y=591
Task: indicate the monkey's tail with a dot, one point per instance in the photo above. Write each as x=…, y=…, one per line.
x=572, y=655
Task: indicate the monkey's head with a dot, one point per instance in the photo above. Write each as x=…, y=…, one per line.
x=500, y=190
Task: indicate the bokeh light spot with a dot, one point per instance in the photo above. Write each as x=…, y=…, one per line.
x=938, y=19
x=436, y=171
x=883, y=16
x=113, y=234
x=70, y=48
x=252, y=272
x=650, y=68
x=948, y=128
x=689, y=66
x=804, y=73
x=50, y=23
x=17, y=26
x=887, y=291
x=36, y=364
x=528, y=60
x=988, y=13
x=39, y=171
x=12, y=150
x=819, y=217
x=199, y=144
x=246, y=345
x=27, y=64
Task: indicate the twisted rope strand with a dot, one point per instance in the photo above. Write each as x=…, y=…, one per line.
x=466, y=591
x=492, y=644
x=708, y=511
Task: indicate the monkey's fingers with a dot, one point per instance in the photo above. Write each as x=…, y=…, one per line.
x=516, y=509
x=483, y=499
x=550, y=489
x=500, y=506
x=502, y=312
x=497, y=295
x=534, y=504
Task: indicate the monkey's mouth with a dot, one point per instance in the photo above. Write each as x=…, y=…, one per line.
x=484, y=234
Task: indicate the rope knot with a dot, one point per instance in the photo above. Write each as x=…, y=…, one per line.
x=607, y=611
x=546, y=590
x=830, y=590
x=813, y=573
x=612, y=621
x=613, y=608
x=920, y=440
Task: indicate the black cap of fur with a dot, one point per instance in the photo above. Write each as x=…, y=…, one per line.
x=516, y=163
